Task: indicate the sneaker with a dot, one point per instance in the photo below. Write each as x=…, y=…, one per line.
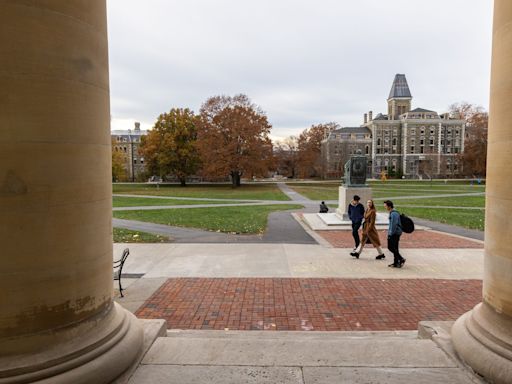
x=355, y=254
x=380, y=257
x=402, y=262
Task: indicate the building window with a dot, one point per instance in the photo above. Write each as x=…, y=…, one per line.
x=412, y=149
x=378, y=151
x=413, y=131
x=421, y=149
x=394, y=141
x=134, y=161
x=422, y=131
x=422, y=142
x=431, y=142
x=367, y=149
x=378, y=141
x=124, y=149
x=142, y=160
x=432, y=131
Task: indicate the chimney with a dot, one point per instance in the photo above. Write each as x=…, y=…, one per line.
x=137, y=126
x=370, y=115
x=365, y=118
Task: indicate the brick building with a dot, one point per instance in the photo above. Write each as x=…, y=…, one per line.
x=127, y=142
x=414, y=143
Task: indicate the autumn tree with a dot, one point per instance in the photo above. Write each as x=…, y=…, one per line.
x=118, y=164
x=171, y=146
x=233, y=138
x=474, y=157
x=286, y=156
x=309, y=149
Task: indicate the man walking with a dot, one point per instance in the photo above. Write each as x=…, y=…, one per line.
x=394, y=233
x=356, y=214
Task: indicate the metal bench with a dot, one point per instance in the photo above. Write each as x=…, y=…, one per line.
x=118, y=268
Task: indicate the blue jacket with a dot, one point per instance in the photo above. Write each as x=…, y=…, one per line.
x=395, y=225
x=356, y=212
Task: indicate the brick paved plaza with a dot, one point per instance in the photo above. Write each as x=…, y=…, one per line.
x=417, y=239
x=309, y=304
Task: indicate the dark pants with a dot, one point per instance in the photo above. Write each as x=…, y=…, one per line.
x=393, y=242
x=355, y=232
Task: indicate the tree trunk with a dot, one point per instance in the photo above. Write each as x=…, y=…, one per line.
x=183, y=181
x=235, y=179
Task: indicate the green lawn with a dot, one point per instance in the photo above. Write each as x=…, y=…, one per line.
x=473, y=219
x=248, y=219
x=118, y=201
x=216, y=191
x=454, y=201
x=127, y=236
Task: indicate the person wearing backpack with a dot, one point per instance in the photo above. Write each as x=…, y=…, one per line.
x=394, y=233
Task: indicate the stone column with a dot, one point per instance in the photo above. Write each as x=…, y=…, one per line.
x=483, y=336
x=58, y=322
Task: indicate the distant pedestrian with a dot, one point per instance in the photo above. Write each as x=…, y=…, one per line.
x=394, y=233
x=356, y=215
x=370, y=232
x=323, y=208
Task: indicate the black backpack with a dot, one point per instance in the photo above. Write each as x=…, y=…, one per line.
x=406, y=223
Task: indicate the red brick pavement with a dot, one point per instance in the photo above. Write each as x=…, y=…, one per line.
x=417, y=239
x=309, y=304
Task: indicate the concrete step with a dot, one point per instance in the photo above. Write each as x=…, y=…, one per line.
x=296, y=357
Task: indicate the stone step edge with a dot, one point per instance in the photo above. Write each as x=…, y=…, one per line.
x=308, y=335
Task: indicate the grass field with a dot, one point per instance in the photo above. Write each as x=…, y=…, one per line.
x=127, y=236
x=406, y=194
x=216, y=191
x=118, y=201
x=248, y=219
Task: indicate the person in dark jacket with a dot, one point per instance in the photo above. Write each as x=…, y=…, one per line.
x=356, y=215
x=323, y=207
x=394, y=233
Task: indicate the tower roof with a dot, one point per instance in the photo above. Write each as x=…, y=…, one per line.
x=400, y=88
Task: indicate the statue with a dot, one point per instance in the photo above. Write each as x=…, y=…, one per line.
x=355, y=171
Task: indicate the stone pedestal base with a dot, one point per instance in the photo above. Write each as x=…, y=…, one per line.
x=483, y=340
x=97, y=351
x=346, y=195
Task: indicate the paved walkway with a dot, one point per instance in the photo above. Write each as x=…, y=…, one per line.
x=154, y=264
x=280, y=286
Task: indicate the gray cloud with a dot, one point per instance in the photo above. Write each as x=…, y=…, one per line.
x=303, y=62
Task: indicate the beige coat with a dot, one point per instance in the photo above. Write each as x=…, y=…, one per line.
x=369, y=230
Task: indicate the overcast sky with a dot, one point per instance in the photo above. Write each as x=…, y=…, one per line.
x=303, y=62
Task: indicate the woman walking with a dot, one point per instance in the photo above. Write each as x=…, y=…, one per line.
x=369, y=232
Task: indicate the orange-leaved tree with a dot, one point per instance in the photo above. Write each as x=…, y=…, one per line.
x=171, y=146
x=309, y=149
x=286, y=156
x=233, y=138
x=118, y=164
x=474, y=157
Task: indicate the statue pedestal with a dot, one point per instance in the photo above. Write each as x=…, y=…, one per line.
x=346, y=195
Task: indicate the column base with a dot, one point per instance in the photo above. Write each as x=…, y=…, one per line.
x=110, y=345
x=483, y=340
